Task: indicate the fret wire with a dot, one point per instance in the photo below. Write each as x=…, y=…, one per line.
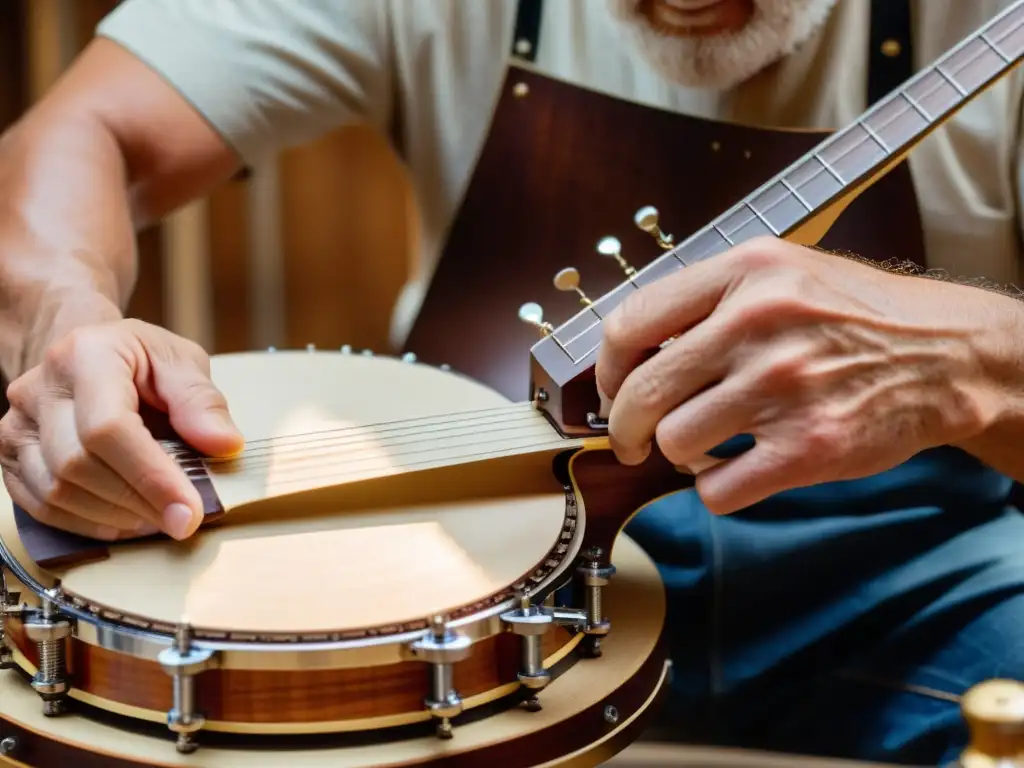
x=761, y=218
x=793, y=190
x=956, y=86
x=829, y=168
x=719, y=231
x=998, y=51
x=870, y=131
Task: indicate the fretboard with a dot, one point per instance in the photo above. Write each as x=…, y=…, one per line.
x=838, y=166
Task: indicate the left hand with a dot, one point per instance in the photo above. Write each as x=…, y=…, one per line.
x=837, y=369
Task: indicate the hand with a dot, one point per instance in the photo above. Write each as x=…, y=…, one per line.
x=75, y=451
x=837, y=369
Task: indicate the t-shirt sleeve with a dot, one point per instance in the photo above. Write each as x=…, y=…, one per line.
x=266, y=74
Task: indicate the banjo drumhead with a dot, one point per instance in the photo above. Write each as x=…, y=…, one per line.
x=286, y=565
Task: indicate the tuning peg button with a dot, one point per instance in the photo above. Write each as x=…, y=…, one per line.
x=532, y=313
x=346, y=349
x=612, y=248
x=646, y=219
x=568, y=279
x=408, y=357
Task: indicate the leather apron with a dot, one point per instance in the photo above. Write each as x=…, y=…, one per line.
x=562, y=166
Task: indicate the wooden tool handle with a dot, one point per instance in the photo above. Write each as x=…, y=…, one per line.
x=994, y=711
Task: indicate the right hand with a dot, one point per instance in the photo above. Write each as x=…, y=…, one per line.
x=75, y=451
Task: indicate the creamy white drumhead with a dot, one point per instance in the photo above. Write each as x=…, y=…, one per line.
x=377, y=552
x=635, y=601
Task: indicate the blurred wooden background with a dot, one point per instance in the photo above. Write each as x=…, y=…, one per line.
x=313, y=249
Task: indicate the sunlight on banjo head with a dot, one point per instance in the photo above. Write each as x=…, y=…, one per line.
x=342, y=563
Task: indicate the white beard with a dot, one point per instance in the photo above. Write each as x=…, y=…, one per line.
x=722, y=61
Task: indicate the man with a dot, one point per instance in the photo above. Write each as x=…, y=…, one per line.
x=872, y=568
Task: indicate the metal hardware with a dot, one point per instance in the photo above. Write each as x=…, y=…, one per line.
x=611, y=715
x=140, y=638
x=445, y=367
x=183, y=661
x=646, y=219
x=311, y=347
x=531, y=623
x=346, y=349
x=271, y=349
x=568, y=279
x=441, y=648
x=408, y=357
x=596, y=422
x=595, y=576
x=532, y=313
x=611, y=247
x=9, y=606
x=48, y=629
x=367, y=353
x=8, y=746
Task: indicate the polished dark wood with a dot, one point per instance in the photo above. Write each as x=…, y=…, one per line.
x=612, y=492
x=827, y=175
x=564, y=166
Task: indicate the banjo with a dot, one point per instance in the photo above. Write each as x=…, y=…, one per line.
x=404, y=567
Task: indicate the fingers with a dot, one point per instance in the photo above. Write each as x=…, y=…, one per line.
x=676, y=373
x=63, y=496
x=66, y=459
x=763, y=471
x=110, y=427
x=197, y=410
x=56, y=518
x=705, y=422
x=650, y=316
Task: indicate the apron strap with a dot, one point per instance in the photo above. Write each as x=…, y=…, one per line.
x=527, y=33
x=890, y=55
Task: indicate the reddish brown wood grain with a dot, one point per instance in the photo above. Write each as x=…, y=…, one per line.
x=296, y=696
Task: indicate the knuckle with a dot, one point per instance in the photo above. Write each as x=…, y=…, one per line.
x=61, y=494
x=72, y=467
x=97, y=436
x=645, y=390
x=825, y=441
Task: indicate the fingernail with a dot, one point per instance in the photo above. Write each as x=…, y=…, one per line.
x=177, y=519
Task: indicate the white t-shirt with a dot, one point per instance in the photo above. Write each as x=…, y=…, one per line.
x=270, y=74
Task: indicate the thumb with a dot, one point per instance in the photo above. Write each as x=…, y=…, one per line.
x=197, y=410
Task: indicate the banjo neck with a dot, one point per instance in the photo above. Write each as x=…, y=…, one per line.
x=799, y=204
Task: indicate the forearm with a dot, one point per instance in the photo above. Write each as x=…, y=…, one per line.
x=1000, y=351
x=66, y=236
x=111, y=149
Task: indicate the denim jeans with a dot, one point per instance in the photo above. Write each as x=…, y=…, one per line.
x=845, y=619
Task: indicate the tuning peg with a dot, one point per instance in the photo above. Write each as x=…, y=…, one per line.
x=568, y=279
x=346, y=349
x=647, y=220
x=311, y=347
x=532, y=313
x=610, y=246
x=409, y=357
x=367, y=353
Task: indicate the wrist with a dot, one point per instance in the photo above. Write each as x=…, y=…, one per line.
x=61, y=311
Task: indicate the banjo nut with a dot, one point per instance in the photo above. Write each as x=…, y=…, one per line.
x=449, y=650
x=596, y=577
x=46, y=631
